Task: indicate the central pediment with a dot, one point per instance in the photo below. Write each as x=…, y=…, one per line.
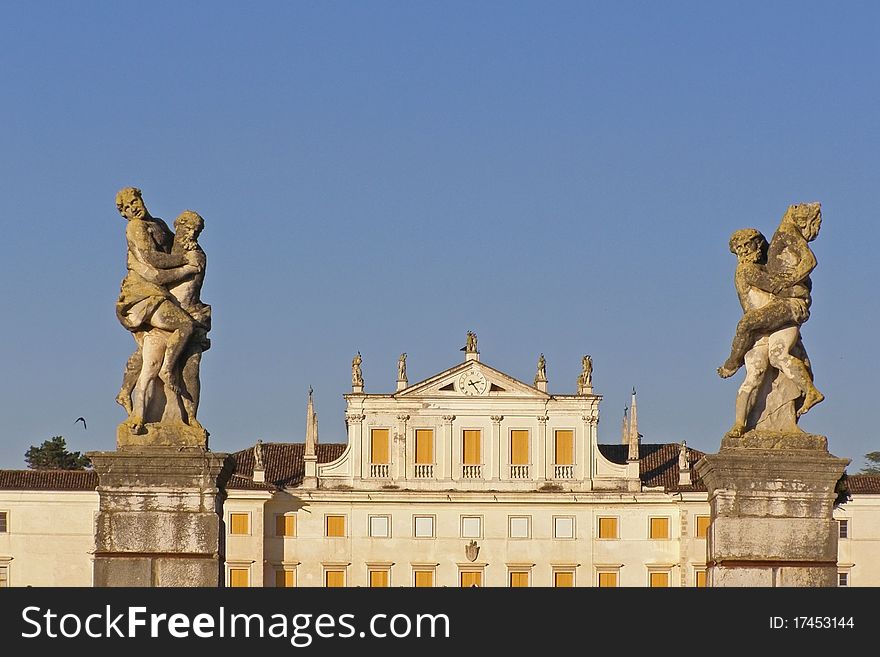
x=471, y=379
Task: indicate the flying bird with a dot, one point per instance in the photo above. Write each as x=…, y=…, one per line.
x=80, y=419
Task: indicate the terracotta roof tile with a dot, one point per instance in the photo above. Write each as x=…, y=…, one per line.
x=48, y=480
x=283, y=462
x=658, y=464
x=862, y=483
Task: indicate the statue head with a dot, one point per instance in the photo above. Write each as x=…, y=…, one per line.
x=748, y=244
x=807, y=217
x=130, y=203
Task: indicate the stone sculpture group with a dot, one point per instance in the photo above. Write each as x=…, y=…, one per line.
x=160, y=304
x=774, y=288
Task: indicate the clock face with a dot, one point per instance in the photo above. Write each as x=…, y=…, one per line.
x=473, y=383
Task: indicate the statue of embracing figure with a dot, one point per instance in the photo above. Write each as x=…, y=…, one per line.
x=160, y=303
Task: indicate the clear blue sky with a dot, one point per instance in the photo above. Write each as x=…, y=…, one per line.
x=560, y=177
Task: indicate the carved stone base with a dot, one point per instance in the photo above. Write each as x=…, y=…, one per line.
x=161, y=434
x=771, y=511
x=757, y=439
x=159, y=522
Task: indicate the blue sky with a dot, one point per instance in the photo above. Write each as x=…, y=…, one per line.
x=561, y=178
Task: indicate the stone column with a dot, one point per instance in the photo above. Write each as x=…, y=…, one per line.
x=771, y=500
x=496, y=446
x=447, y=447
x=159, y=522
x=542, y=458
x=401, y=456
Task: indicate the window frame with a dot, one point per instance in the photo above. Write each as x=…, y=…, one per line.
x=387, y=431
x=510, y=520
x=698, y=520
x=616, y=531
x=232, y=568
x=556, y=432
x=327, y=533
x=231, y=523
x=4, y=521
x=462, y=533
x=607, y=570
x=377, y=516
x=843, y=528
x=660, y=570
x=528, y=433
x=432, y=518
x=283, y=570
x=668, y=522
x=416, y=432
x=573, y=528
x=563, y=571
x=283, y=517
x=479, y=432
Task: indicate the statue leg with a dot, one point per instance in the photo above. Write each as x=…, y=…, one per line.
x=152, y=354
x=174, y=319
x=756, y=361
x=781, y=344
x=192, y=386
x=130, y=376
x=753, y=323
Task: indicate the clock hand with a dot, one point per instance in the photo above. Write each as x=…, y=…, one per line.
x=473, y=384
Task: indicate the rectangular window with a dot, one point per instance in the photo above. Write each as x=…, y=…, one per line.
x=380, y=526
x=843, y=579
x=607, y=527
x=379, y=446
x=423, y=579
x=471, y=578
x=563, y=579
x=658, y=579
x=378, y=579
x=471, y=527
x=471, y=447
x=424, y=446
x=563, y=527
x=519, y=579
x=702, y=526
x=519, y=526
x=843, y=528
x=285, y=579
x=335, y=526
x=4, y=577
x=700, y=578
x=423, y=526
x=564, y=447
x=4, y=519
x=334, y=578
x=519, y=447
x=608, y=579
x=239, y=577
x=285, y=525
x=239, y=524
x=658, y=528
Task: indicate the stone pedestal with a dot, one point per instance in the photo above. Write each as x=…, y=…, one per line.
x=159, y=522
x=771, y=499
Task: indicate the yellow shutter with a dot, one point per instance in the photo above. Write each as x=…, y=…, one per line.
x=238, y=577
x=334, y=578
x=471, y=578
x=379, y=446
x=424, y=446
x=335, y=525
x=659, y=580
x=424, y=578
x=238, y=523
x=607, y=580
x=701, y=578
x=564, y=447
x=471, y=447
x=519, y=580
x=285, y=525
x=563, y=580
x=607, y=527
x=519, y=447
x=378, y=578
x=659, y=528
x=702, y=526
x=285, y=579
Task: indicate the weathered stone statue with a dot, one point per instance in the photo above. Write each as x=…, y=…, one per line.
x=541, y=374
x=773, y=285
x=471, y=344
x=401, y=368
x=159, y=302
x=357, y=377
x=586, y=378
x=258, y=456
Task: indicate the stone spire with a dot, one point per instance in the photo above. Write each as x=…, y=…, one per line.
x=310, y=455
x=633, y=430
x=624, y=430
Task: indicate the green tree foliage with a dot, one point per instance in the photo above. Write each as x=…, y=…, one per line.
x=873, y=467
x=54, y=455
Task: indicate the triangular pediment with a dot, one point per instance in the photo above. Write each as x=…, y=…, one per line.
x=471, y=379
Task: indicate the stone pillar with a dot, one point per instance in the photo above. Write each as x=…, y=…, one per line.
x=496, y=446
x=543, y=455
x=447, y=447
x=159, y=522
x=771, y=500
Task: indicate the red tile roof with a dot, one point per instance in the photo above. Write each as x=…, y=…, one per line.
x=862, y=483
x=283, y=463
x=658, y=464
x=48, y=480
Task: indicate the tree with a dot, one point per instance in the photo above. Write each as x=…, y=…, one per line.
x=873, y=458
x=54, y=455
